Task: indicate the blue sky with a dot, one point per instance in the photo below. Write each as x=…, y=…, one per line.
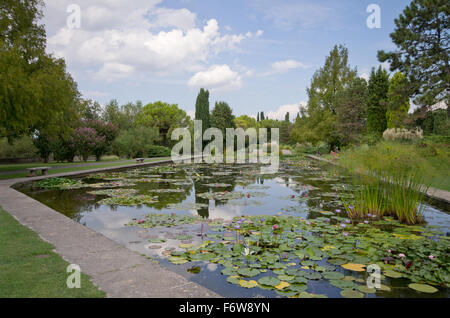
x=256, y=55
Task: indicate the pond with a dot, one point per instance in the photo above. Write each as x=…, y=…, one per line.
x=243, y=234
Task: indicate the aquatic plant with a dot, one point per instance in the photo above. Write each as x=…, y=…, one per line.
x=398, y=193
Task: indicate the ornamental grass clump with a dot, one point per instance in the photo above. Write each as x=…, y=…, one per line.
x=366, y=199
x=405, y=195
x=399, y=194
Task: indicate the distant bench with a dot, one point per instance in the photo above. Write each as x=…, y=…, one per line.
x=140, y=160
x=33, y=171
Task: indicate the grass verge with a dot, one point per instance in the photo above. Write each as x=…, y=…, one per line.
x=30, y=269
x=56, y=170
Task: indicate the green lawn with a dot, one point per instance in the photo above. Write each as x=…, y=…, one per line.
x=431, y=161
x=29, y=268
x=56, y=168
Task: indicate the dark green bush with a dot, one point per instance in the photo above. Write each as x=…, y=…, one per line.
x=158, y=151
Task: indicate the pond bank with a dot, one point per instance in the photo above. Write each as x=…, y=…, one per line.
x=432, y=192
x=112, y=267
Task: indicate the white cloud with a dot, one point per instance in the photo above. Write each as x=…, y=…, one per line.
x=280, y=113
x=282, y=67
x=217, y=77
x=182, y=19
x=117, y=38
x=112, y=71
x=295, y=15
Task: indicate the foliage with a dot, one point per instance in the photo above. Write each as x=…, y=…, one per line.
x=37, y=92
x=377, y=101
x=107, y=130
x=222, y=117
x=422, y=36
x=158, y=151
x=165, y=117
x=245, y=122
x=87, y=141
x=125, y=116
x=351, y=111
x=428, y=159
x=20, y=148
x=319, y=121
x=202, y=109
x=135, y=142
x=398, y=101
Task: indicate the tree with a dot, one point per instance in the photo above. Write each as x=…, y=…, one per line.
x=165, y=117
x=202, y=109
x=222, y=117
x=86, y=141
x=286, y=117
x=377, y=102
x=245, y=122
x=261, y=117
x=351, y=111
x=90, y=110
x=320, y=119
x=36, y=91
x=422, y=37
x=107, y=130
x=135, y=142
x=398, y=101
x=257, y=118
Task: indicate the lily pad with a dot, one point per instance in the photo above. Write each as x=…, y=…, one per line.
x=423, y=288
x=248, y=272
x=350, y=293
x=248, y=284
x=269, y=281
x=354, y=267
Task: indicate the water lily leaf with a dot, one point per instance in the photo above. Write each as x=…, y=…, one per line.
x=384, y=288
x=285, y=277
x=282, y=285
x=298, y=287
x=248, y=272
x=354, y=267
x=333, y=275
x=392, y=274
x=248, y=284
x=366, y=290
x=343, y=284
x=186, y=246
x=423, y=288
x=269, y=281
x=233, y=280
x=350, y=293
x=229, y=271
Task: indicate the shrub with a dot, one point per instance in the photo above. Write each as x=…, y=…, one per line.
x=20, y=148
x=158, y=151
x=107, y=130
x=86, y=141
x=63, y=150
x=135, y=142
x=403, y=135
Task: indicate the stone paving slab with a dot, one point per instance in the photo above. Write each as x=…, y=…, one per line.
x=432, y=192
x=115, y=269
